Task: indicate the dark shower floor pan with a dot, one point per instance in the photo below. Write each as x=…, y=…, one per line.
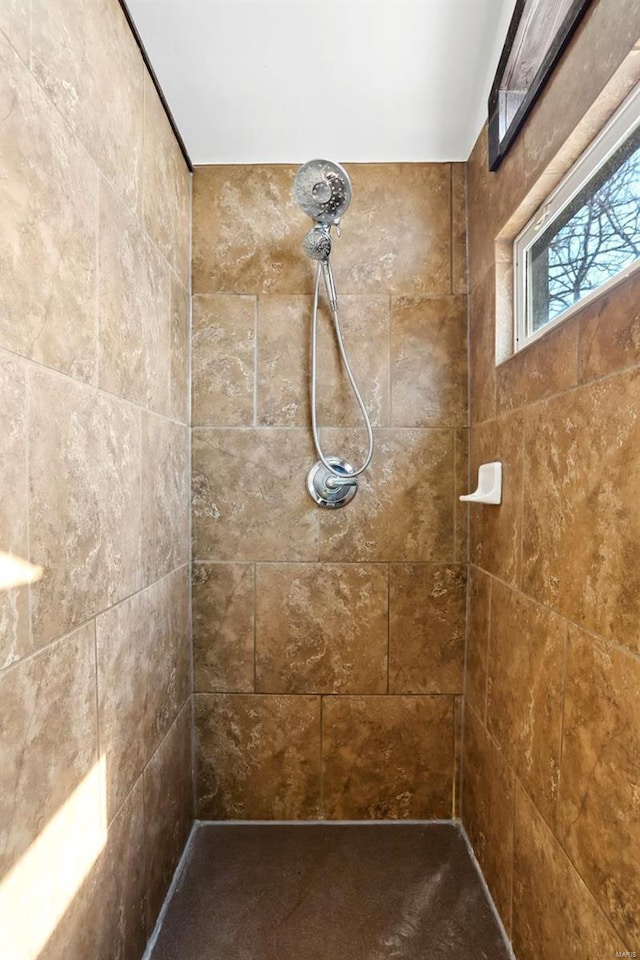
x=329, y=892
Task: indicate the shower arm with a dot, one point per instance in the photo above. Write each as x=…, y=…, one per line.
x=323, y=268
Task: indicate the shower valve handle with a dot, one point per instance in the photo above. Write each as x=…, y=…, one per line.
x=334, y=482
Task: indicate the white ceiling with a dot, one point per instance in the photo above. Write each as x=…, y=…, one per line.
x=280, y=81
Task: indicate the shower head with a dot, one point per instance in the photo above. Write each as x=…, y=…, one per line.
x=322, y=189
x=317, y=243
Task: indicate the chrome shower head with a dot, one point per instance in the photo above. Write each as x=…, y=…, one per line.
x=317, y=243
x=322, y=189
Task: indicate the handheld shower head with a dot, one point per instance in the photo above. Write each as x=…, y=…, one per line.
x=317, y=244
x=322, y=190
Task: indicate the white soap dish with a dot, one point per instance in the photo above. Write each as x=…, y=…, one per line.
x=489, y=484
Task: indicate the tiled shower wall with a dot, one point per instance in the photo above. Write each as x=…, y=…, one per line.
x=95, y=788
x=552, y=718
x=328, y=645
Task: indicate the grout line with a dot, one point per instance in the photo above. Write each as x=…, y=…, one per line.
x=451, y=228
x=455, y=494
x=487, y=892
x=594, y=896
x=211, y=561
x=515, y=783
x=323, y=693
x=453, y=779
x=255, y=627
x=200, y=428
x=322, y=765
x=141, y=498
x=256, y=330
x=390, y=361
x=146, y=853
x=32, y=654
x=565, y=659
x=194, y=757
x=620, y=648
x=27, y=501
x=97, y=686
x=485, y=710
x=29, y=63
x=140, y=206
x=175, y=883
x=523, y=468
x=97, y=363
x=328, y=824
x=388, y=628
x=84, y=148
x=87, y=385
x=189, y=398
x=465, y=684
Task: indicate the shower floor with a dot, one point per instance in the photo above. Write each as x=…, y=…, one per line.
x=328, y=892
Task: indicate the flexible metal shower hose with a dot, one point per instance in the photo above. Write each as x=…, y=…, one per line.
x=347, y=366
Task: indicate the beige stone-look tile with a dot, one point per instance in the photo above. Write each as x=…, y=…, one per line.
x=507, y=191
x=492, y=199
x=480, y=247
x=610, y=331
x=478, y=640
x=223, y=627
x=552, y=907
x=487, y=811
x=524, y=691
x=496, y=531
x=429, y=361
x=458, y=740
x=84, y=502
x=168, y=810
x=427, y=604
x=462, y=486
x=76, y=51
x=15, y=22
x=258, y=757
x=396, y=235
x=599, y=812
x=223, y=357
x=321, y=628
x=365, y=323
x=248, y=231
x=48, y=739
x=503, y=296
x=143, y=678
x=106, y=919
x=179, y=405
x=582, y=482
x=14, y=603
x=283, y=360
x=284, y=325
x=249, y=495
x=482, y=350
x=165, y=496
x=387, y=757
x=48, y=197
x=134, y=309
x=404, y=506
x=542, y=369
x=604, y=38
x=166, y=186
x=459, y=228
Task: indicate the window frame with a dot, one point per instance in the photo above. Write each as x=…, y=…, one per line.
x=499, y=145
x=620, y=127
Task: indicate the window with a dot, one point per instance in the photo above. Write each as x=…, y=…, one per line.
x=586, y=237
